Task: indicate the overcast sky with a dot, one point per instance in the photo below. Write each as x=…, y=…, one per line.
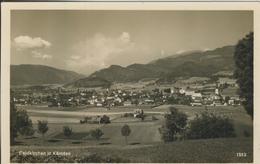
x=85, y=41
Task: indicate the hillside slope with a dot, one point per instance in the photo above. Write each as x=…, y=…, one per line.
x=88, y=82
x=27, y=74
x=189, y=64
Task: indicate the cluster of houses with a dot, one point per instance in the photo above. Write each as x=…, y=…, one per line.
x=221, y=93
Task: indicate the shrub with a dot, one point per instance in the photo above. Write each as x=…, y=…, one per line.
x=97, y=133
x=86, y=119
x=128, y=115
x=67, y=131
x=105, y=119
x=27, y=131
x=24, y=123
x=142, y=116
x=42, y=127
x=125, y=131
x=210, y=126
x=19, y=122
x=82, y=121
x=166, y=134
x=175, y=123
x=154, y=118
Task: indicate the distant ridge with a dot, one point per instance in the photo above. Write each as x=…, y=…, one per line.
x=28, y=74
x=194, y=63
x=89, y=82
x=188, y=64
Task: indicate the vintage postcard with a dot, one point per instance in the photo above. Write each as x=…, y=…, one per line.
x=129, y=82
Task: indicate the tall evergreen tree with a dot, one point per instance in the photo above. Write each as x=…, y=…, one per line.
x=13, y=116
x=244, y=70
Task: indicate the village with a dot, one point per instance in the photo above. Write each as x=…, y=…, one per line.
x=222, y=92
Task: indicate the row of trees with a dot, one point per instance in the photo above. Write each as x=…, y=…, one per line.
x=98, y=133
x=176, y=126
x=22, y=124
x=206, y=125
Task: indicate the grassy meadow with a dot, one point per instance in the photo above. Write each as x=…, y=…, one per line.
x=144, y=142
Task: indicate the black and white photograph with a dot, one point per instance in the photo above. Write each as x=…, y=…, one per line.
x=131, y=86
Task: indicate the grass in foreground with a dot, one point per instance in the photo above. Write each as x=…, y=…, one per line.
x=195, y=151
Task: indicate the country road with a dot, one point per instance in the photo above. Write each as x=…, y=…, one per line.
x=85, y=113
x=74, y=116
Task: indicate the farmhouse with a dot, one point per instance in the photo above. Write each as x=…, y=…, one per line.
x=99, y=104
x=193, y=94
x=127, y=103
x=228, y=81
x=138, y=113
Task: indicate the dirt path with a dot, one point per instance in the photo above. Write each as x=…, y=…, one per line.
x=86, y=113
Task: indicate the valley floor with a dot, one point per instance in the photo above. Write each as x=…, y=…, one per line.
x=195, y=151
x=144, y=143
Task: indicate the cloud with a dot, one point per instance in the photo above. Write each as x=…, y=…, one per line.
x=162, y=53
x=125, y=37
x=27, y=42
x=95, y=51
x=39, y=55
x=206, y=49
x=181, y=51
x=75, y=57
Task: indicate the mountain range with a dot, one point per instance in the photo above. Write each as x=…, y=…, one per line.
x=194, y=63
x=197, y=63
x=27, y=74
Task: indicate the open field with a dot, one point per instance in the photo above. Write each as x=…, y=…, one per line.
x=144, y=142
x=64, y=115
x=143, y=132
x=195, y=151
x=237, y=114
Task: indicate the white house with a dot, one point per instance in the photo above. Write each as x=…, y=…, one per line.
x=182, y=91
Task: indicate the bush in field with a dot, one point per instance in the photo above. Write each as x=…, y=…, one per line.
x=128, y=115
x=125, y=131
x=175, y=124
x=42, y=127
x=142, y=116
x=154, y=118
x=208, y=125
x=19, y=122
x=105, y=119
x=24, y=123
x=82, y=121
x=85, y=120
x=97, y=134
x=67, y=131
x=27, y=131
x=166, y=134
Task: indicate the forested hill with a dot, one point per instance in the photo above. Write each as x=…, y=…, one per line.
x=27, y=74
x=196, y=63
